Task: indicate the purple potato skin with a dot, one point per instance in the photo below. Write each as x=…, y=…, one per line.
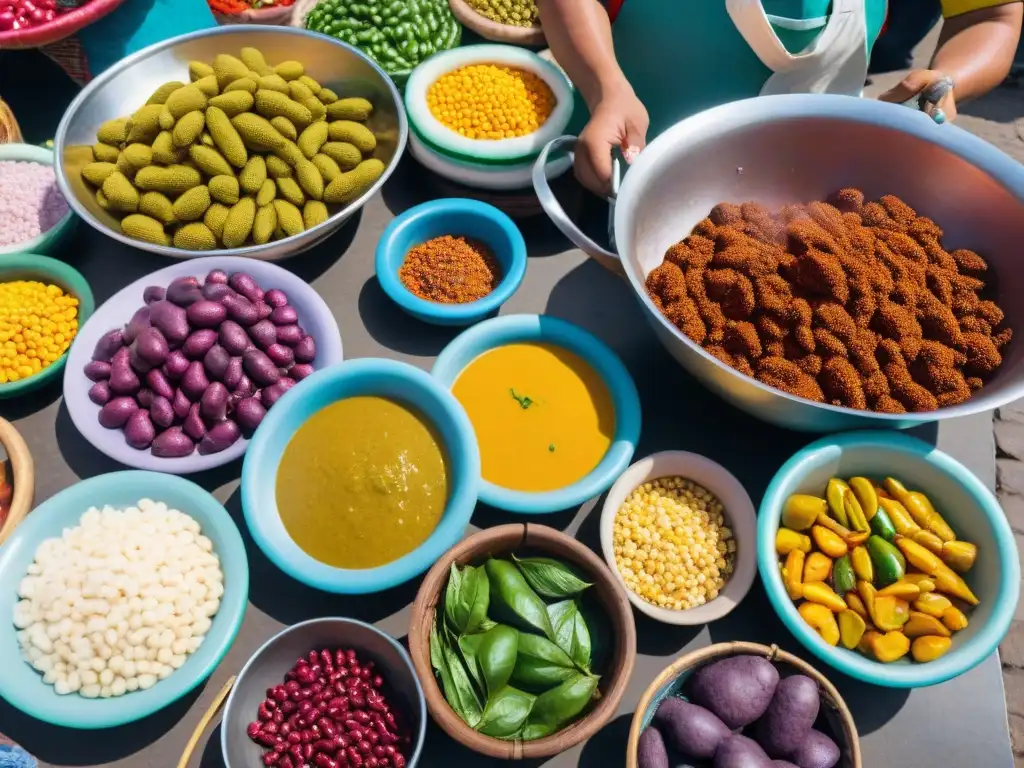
x=263, y=310
x=99, y=393
x=194, y=426
x=281, y=355
x=270, y=395
x=240, y=310
x=275, y=297
x=161, y=412
x=171, y=320
x=299, y=371
x=305, y=350
x=153, y=294
x=108, y=344
x=181, y=404
x=651, y=751
x=175, y=365
x=139, y=322
x=144, y=397
x=139, y=431
x=97, y=370
x=184, y=291
x=217, y=276
x=249, y=413
x=284, y=316
x=206, y=314
x=260, y=368
x=172, y=443
x=198, y=343
x=740, y=752
x=817, y=751
x=221, y=436
x=263, y=334
x=737, y=689
x=213, y=406
x=789, y=717
x=115, y=413
x=157, y=382
x=245, y=387
x=246, y=285
x=123, y=380
x=783, y=764
x=233, y=337
x=216, y=291
x=689, y=728
x=290, y=335
x=151, y=347
x=233, y=374
x=216, y=362
x=194, y=382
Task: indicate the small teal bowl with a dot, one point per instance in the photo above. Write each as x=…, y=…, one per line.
x=451, y=216
x=23, y=687
x=45, y=242
x=368, y=376
x=962, y=499
x=512, y=329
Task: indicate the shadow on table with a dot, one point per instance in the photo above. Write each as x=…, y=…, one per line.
x=67, y=746
x=607, y=746
x=441, y=750
x=309, y=265
x=213, y=756
x=390, y=326
x=290, y=602
x=32, y=402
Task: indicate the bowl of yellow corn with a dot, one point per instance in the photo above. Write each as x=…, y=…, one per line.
x=247, y=140
x=678, y=531
x=42, y=304
x=887, y=559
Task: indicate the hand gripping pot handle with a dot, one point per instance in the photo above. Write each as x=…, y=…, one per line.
x=608, y=259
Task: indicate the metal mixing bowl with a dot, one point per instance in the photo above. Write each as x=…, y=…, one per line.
x=127, y=85
x=799, y=148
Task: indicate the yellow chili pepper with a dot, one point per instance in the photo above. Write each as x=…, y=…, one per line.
x=903, y=590
x=954, y=619
x=937, y=524
x=801, y=511
x=792, y=573
x=856, y=605
x=929, y=541
x=867, y=642
x=828, y=542
x=924, y=581
x=945, y=578
x=864, y=490
x=959, y=555
x=890, y=613
x=932, y=604
x=851, y=628
x=821, y=593
x=822, y=620
x=817, y=567
x=834, y=493
x=901, y=519
x=786, y=541
x=854, y=513
x=926, y=649
x=920, y=509
x=892, y=646
x=921, y=624
x=862, y=565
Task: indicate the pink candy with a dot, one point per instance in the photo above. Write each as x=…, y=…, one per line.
x=30, y=202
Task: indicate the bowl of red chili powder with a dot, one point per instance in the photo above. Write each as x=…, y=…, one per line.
x=453, y=261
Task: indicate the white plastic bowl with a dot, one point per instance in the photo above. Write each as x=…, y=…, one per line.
x=739, y=516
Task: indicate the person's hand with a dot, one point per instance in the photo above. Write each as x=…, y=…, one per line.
x=619, y=120
x=916, y=84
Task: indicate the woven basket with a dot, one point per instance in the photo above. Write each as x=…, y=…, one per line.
x=531, y=37
x=274, y=15
x=834, y=712
x=10, y=133
x=61, y=27
x=300, y=11
x=22, y=475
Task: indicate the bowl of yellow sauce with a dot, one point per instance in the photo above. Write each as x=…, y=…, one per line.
x=553, y=409
x=361, y=476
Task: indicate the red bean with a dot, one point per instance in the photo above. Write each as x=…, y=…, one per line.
x=357, y=700
x=271, y=758
x=305, y=675
x=377, y=681
x=398, y=760
x=270, y=727
x=364, y=747
x=263, y=713
x=253, y=730
x=285, y=729
x=286, y=762
x=308, y=736
x=288, y=707
x=327, y=728
x=323, y=761
x=294, y=737
x=372, y=762
x=372, y=736
x=280, y=694
x=307, y=751
x=363, y=718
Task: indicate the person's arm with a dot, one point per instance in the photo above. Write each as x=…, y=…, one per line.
x=976, y=50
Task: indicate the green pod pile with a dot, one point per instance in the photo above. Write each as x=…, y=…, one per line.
x=512, y=649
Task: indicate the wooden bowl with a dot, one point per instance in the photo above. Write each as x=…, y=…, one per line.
x=621, y=630
x=10, y=133
x=835, y=714
x=493, y=30
x=23, y=477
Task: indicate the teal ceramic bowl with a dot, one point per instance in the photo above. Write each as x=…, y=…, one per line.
x=23, y=687
x=960, y=497
x=30, y=266
x=512, y=329
x=48, y=241
x=368, y=376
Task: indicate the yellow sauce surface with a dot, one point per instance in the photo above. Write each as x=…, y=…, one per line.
x=363, y=482
x=543, y=417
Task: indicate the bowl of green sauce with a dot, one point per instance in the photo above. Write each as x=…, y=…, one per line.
x=361, y=476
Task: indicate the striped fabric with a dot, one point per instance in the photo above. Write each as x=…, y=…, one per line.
x=70, y=56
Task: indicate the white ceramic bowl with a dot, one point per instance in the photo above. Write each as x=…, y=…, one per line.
x=45, y=242
x=739, y=516
x=314, y=316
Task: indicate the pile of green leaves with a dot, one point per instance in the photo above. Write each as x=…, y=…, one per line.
x=512, y=649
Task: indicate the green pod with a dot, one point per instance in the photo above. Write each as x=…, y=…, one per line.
x=834, y=493
x=496, y=656
x=506, y=713
x=843, y=578
x=559, y=706
x=513, y=601
x=540, y=664
x=881, y=525
x=467, y=598
x=889, y=563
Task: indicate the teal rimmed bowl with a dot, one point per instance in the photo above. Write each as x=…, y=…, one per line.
x=962, y=499
x=368, y=376
x=45, y=242
x=512, y=329
x=23, y=687
x=30, y=266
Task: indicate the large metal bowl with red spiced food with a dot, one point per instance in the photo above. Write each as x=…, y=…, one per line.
x=826, y=263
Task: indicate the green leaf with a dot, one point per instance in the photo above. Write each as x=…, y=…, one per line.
x=469, y=645
x=571, y=632
x=551, y=578
x=496, y=656
x=540, y=664
x=462, y=697
x=506, y=712
x=467, y=598
x=561, y=705
x=436, y=657
x=514, y=601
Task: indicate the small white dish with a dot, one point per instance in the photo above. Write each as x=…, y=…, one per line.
x=739, y=514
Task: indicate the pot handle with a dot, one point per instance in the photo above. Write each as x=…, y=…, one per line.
x=608, y=259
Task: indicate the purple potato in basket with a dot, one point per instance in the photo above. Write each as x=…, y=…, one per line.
x=144, y=397
x=651, y=751
x=171, y=320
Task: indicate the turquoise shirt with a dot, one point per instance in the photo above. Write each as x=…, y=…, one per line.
x=684, y=56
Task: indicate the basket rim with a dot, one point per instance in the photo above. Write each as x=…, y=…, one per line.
x=23, y=477
x=63, y=26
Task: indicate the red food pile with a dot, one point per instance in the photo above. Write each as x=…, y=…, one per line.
x=330, y=713
x=849, y=302
x=230, y=7
x=25, y=14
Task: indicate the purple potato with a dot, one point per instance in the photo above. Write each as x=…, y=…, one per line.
x=218, y=276
x=284, y=315
x=782, y=764
x=97, y=370
x=109, y=343
x=245, y=387
x=216, y=291
x=115, y=413
x=789, y=717
x=170, y=319
x=689, y=728
x=136, y=362
x=275, y=297
x=161, y=412
x=289, y=334
x=300, y=371
x=233, y=337
x=260, y=368
x=263, y=310
x=216, y=362
x=139, y=321
x=180, y=404
x=206, y=314
x=194, y=426
x=281, y=355
x=194, y=382
x=740, y=752
x=263, y=334
x=817, y=751
x=651, y=751
x=737, y=689
x=123, y=380
x=99, y=393
x=249, y=413
x=270, y=395
x=144, y=397
x=240, y=309
x=139, y=430
x=157, y=382
x=198, y=343
x=222, y=435
x=213, y=406
x=172, y=443
x=184, y=291
x=150, y=347
x=153, y=294
x=233, y=373
x=305, y=350
x=246, y=285
x=175, y=365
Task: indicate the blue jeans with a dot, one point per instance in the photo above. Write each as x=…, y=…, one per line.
x=909, y=23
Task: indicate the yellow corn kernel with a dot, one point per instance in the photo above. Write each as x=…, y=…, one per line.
x=786, y=541
x=828, y=542
x=817, y=567
x=822, y=620
x=37, y=324
x=821, y=593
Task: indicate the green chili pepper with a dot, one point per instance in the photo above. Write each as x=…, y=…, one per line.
x=881, y=525
x=843, y=578
x=513, y=600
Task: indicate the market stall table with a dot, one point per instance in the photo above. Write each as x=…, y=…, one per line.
x=960, y=723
